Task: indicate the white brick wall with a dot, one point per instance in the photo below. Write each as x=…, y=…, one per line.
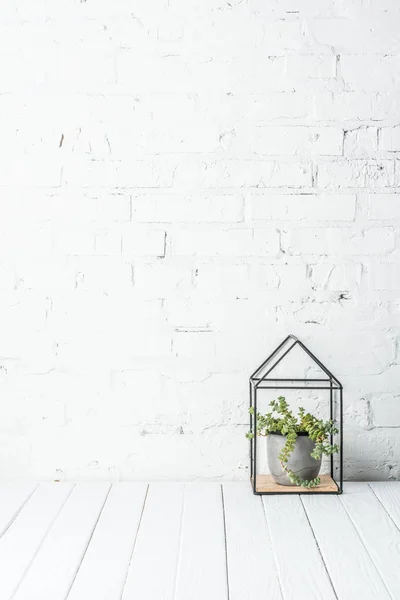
x=183, y=183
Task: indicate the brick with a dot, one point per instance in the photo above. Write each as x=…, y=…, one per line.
x=384, y=206
x=8, y=276
x=169, y=206
x=369, y=73
x=374, y=242
x=385, y=410
x=288, y=278
x=47, y=275
x=159, y=279
x=229, y=242
x=386, y=276
x=151, y=242
x=246, y=173
x=268, y=107
x=389, y=139
x=353, y=106
x=356, y=173
x=297, y=140
x=194, y=345
x=304, y=67
x=223, y=280
x=361, y=142
x=191, y=208
x=103, y=274
x=150, y=173
x=299, y=207
x=334, y=277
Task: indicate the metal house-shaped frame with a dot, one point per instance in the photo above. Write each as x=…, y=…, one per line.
x=263, y=484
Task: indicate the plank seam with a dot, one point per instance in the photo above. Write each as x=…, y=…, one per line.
x=272, y=546
x=366, y=549
x=134, y=543
x=180, y=543
x=88, y=542
x=41, y=542
x=318, y=547
x=384, y=507
x=225, y=541
x=11, y=521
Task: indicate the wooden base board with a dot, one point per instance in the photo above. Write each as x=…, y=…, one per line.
x=266, y=485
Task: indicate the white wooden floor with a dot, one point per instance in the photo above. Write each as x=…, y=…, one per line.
x=197, y=541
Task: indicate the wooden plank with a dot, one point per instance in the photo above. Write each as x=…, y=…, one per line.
x=350, y=567
x=53, y=570
x=201, y=572
x=249, y=548
x=388, y=494
x=302, y=572
x=13, y=496
x=157, y=545
x=377, y=531
x=103, y=570
x=265, y=483
x=22, y=539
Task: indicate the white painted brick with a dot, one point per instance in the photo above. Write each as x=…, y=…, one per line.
x=300, y=207
x=353, y=106
x=45, y=275
x=245, y=173
x=347, y=36
x=328, y=276
x=361, y=142
x=374, y=242
x=297, y=140
x=384, y=206
x=356, y=173
x=8, y=277
x=304, y=67
x=389, y=139
x=21, y=170
x=102, y=274
x=20, y=239
x=176, y=196
x=386, y=276
x=224, y=280
x=108, y=243
x=385, y=410
x=150, y=173
x=287, y=278
x=196, y=208
x=229, y=242
x=142, y=242
x=74, y=242
x=369, y=73
x=264, y=108
x=194, y=345
x=159, y=279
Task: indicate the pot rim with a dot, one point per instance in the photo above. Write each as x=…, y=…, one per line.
x=302, y=433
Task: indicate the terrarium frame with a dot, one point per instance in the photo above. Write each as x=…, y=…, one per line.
x=259, y=380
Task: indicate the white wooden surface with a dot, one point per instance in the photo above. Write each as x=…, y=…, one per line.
x=377, y=531
x=300, y=565
x=175, y=541
x=105, y=565
x=249, y=547
x=201, y=572
x=157, y=545
x=334, y=532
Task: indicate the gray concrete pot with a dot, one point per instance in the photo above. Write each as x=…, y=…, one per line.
x=300, y=462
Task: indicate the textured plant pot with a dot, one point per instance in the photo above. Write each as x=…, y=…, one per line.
x=300, y=461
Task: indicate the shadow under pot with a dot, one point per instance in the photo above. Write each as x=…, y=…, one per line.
x=300, y=461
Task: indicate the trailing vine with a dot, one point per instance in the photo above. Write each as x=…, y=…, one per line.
x=282, y=420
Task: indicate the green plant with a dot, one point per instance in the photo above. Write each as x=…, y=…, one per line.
x=282, y=420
